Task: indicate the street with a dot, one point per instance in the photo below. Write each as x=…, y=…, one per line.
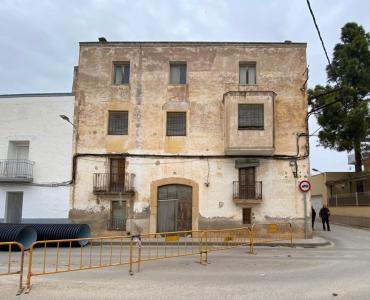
x=340, y=271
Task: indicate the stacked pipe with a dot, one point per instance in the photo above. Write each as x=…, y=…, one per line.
x=62, y=231
x=21, y=233
x=27, y=234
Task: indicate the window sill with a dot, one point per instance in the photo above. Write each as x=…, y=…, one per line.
x=252, y=128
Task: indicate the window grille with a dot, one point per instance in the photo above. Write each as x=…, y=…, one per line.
x=118, y=123
x=176, y=123
x=250, y=116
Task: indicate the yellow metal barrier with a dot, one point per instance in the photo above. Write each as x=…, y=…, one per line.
x=57, y=256
x=270, y=232
x=223, y=239
x=7, y=268
x=153, y=246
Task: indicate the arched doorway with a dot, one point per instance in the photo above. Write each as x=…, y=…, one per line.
x=174, y=208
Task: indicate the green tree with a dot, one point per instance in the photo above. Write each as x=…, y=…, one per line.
x=343, y=111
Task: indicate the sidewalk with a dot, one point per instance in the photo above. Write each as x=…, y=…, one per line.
x=304, y=243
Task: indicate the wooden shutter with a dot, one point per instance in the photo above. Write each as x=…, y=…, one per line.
x=117, y=174
x=247, y=215
x=247, y=185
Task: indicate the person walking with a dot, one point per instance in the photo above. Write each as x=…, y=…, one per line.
x=324, y=215
x=313, y=215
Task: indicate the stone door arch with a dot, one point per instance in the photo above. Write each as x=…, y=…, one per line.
x=173, y=181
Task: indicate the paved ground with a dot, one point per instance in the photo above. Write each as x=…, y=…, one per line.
x=339, y=271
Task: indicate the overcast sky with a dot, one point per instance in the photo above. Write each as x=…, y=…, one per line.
x=39, y=38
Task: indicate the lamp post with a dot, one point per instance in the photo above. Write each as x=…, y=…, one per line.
x=65, y=118
x=74, y=145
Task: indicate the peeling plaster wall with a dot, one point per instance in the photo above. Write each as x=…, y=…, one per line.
x=212, y=70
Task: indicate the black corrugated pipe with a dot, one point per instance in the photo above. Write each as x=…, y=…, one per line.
x=21, y=233
x=62, y=232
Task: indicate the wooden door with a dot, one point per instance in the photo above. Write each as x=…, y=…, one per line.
x=117, y=174
x=247, y=215
x=184, y=207
x=174, y=208
x=247, y=185
x=13, y=209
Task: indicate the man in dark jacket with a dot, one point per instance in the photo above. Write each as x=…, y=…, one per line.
x=324, y=215
x=313, y=214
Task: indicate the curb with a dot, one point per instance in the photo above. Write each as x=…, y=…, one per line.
x=301, y=245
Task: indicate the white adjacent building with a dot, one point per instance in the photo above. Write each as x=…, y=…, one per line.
x=35, y=157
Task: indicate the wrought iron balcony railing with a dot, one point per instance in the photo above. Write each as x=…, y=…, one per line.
x=117, y=224
x=113, y=183
x=16, y=170
x=242, y=192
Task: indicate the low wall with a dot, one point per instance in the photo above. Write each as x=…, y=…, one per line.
x=352, y=221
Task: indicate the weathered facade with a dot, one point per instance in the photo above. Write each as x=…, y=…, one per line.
x=188, y=135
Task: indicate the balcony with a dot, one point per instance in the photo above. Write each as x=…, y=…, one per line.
x=254, y=141
x=351, y=199
x=247, y=194
x=16, y=170
x=108, y=183
x=117, y=224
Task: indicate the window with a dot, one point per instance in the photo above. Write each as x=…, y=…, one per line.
x=247, y=73
x=250, y=116
x=18, y=149
x=118, y=216
x=176, y=123
x=118, y=123
x=247, y=215
x=177, y=73
x=122, y=73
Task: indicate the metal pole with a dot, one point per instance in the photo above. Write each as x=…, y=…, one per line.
x=305, y=214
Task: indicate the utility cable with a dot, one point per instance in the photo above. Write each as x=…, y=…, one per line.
x=319, y=33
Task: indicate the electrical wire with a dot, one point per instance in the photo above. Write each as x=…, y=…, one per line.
x=319, y=33
x=313, y=133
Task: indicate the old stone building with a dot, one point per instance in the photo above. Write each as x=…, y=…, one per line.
x=188, y=135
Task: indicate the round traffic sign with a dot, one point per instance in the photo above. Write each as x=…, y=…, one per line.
x=304, y=186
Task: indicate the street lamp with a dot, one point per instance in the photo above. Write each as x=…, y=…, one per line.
x=316, y=170
x=65, y=118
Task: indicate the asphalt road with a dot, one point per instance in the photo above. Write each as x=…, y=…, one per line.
x=339, y=271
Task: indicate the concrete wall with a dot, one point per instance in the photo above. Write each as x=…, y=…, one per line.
x=212, y=71
x=35, y=118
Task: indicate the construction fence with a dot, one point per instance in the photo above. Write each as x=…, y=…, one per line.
x=69, y=255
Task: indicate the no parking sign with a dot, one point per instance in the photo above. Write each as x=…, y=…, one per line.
x=304, y=186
